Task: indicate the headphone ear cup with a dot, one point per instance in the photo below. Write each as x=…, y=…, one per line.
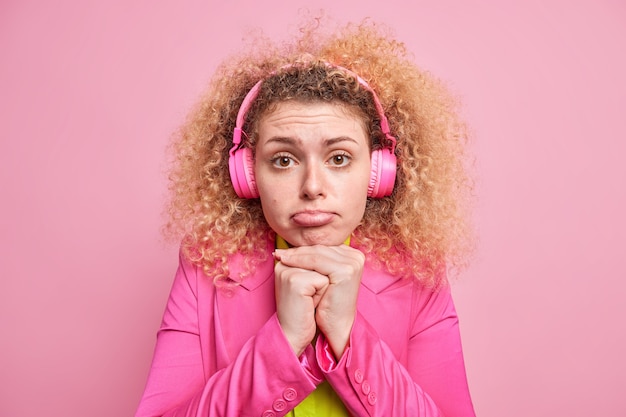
x=382, y=174
x=241, y=167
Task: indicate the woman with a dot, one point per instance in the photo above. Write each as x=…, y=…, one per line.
x=319, y=188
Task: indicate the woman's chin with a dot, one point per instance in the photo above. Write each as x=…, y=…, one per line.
x=317, y=237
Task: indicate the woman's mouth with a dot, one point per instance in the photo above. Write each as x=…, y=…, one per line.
x=312, y=218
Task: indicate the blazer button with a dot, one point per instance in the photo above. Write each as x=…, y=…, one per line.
x=358, y=376
x=279, y=405
x=290, y=394
x=371, y=398
x=365, y=387
x=268, y=413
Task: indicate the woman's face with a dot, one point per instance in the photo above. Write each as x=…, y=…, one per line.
x=312, y=169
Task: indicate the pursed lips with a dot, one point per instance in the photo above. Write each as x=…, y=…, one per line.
x=313, y=218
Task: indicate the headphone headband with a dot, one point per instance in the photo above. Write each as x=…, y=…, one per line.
x=254, y=92
x=241, y=163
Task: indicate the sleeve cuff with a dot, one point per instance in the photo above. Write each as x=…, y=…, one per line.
x=311, y=366
x=306, y=360
x=325, y=357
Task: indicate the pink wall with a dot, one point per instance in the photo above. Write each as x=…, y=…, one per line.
x=89, y=95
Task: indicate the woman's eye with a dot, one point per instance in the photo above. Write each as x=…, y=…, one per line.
x=340, y=160
x=283, y=161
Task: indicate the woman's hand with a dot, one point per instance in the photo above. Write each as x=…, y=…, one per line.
x=335, y=273
x=298, y=292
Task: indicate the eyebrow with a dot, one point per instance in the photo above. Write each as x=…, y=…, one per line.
x=294, y=141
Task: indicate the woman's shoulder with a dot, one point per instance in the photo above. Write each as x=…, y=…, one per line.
x=242, y=270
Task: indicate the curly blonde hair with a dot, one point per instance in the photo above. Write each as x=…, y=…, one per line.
x=419, y=229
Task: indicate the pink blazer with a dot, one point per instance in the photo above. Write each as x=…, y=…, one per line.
x=220, y=354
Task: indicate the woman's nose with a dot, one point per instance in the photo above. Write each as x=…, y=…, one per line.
x=313, y=182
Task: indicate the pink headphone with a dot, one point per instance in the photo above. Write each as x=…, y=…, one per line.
x=241, y=161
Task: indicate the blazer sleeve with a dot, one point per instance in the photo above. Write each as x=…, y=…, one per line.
x=372, y=382
x=264, y=379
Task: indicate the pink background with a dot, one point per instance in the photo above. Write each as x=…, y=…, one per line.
x=90, y=93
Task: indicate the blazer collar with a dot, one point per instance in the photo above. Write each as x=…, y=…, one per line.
x=262, y=272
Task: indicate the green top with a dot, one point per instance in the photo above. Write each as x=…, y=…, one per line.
x=324, y=401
